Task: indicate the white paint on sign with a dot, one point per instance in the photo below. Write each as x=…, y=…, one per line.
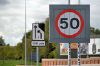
x=38, y=43
x=65, y=25
x=38, y=34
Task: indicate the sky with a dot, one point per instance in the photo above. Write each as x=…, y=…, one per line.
x=12, y=16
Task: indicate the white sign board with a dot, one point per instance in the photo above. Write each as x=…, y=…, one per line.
x=38, y=43
x=69, y=23
x=38, y=34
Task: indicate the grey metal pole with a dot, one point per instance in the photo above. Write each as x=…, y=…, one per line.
x=78, y=53
x=31, y=58
x=69, y=51
x=25, y=37
x=69, y=2
x=79, y=1
x=69, y=56
x=37, y=50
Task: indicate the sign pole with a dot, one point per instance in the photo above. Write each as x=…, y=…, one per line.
x=79, y=1
x=37, y=54
x=69, y=51
x=69, y=56
x=78, y=53
x=69, y=2
x=25, y=37
x=31, y=58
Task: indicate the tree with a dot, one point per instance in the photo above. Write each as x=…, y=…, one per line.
x=94, y=31
x=97, y=31
x=19, y=51
x=53, y=50
x=29, y=47
x=2, y=42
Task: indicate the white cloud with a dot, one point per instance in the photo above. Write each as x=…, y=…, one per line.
x=12, y=14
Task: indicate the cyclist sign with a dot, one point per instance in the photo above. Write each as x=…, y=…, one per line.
x=69, y=23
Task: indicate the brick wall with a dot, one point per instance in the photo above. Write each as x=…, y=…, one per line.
x=49, y=62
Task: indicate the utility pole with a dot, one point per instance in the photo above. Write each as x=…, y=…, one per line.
x=78, y=53
x=69, y=50
x=79, y=1
x=25, y=37
x=69, y=2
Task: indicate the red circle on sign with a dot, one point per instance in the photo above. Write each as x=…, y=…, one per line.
x=81, y=26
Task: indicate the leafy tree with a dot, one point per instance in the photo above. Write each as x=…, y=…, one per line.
x=2, y=42
x=97, y=31
x=53, y=50
x=19, y=50
x=29, y=48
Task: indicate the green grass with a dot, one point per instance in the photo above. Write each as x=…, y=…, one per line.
x=9, y=62
x=15, y=62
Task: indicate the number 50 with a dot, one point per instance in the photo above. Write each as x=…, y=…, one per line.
x=64, y=21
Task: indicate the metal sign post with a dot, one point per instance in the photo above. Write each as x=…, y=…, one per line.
x=69, y=2
x=31, y=58
x=69, y=51
x=38, y=38
x=37, y=54
x=78, y=55
x=25, y=36
x=69, y=56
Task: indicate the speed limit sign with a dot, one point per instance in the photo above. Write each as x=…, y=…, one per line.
x=69, y=23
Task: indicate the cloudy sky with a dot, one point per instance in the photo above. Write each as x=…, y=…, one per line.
x=12, y=13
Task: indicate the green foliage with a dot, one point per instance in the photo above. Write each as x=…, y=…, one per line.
x=15, y=62
x=95, y=31
x=7, y=52
x=19, y=51
x=2, y=42
x=47, y=30
x=9, y=62
x=29, y=47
